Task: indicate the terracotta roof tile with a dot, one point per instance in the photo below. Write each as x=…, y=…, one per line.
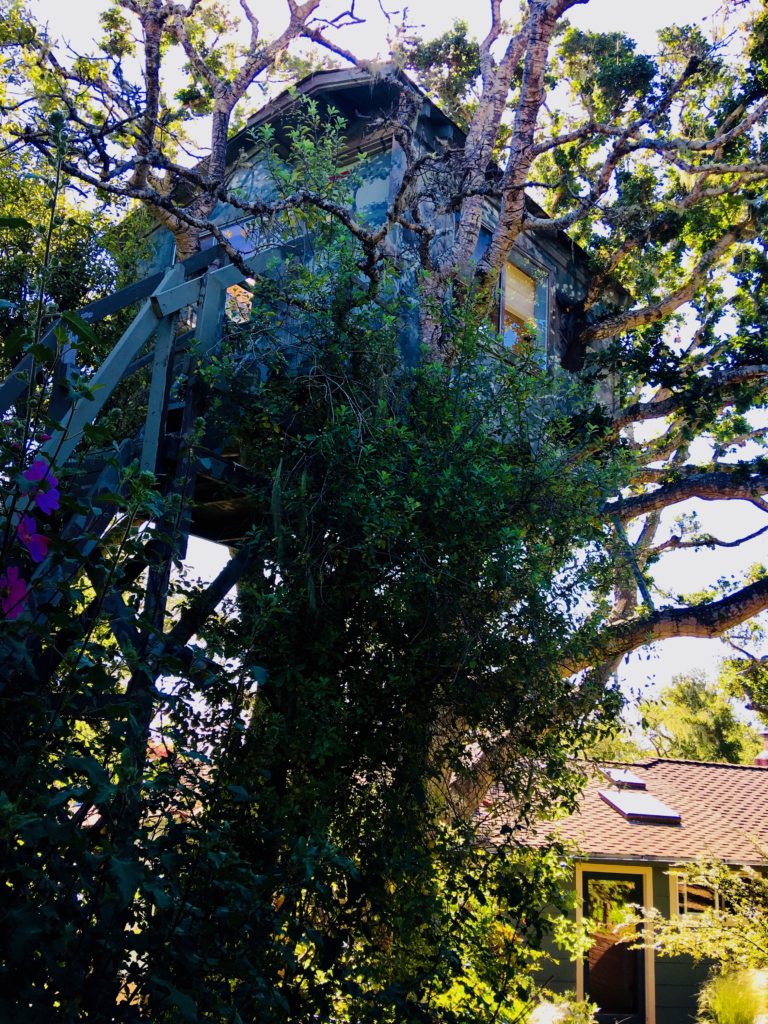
x=723, y=809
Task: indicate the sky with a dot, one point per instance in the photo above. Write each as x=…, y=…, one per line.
x=76, y=21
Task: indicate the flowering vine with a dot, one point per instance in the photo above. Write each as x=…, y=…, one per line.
x=13, y=592
x=42, y=488
x=35, y=543
x=46, y=494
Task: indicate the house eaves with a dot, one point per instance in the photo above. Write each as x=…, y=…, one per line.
x=372, y=95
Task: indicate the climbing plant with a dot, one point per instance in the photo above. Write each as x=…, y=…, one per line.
x=287, y=806
x=291, y=817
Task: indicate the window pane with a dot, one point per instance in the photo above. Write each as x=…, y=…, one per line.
x=238, y=304
x=519, y=296
x=244, y=237
x=694, y=899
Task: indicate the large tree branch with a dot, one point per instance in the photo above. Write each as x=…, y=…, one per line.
x=720, y=139
x=541, y=25
x=731, y=483
x=659, y=227
x=481, y=139
x=630, y=140
x=705, y=621
x=725, y=384
x=152, y=24
x=653, y=312
x=625, y=142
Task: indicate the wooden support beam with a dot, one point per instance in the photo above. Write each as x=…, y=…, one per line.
x=157, y=403
x=16, y=383
x=211, y=316
x=46, y=662
x=169, y=300
x=195, y=614
x=106, y=378
x=17, y=380
x=226, y=276
x=64, y=372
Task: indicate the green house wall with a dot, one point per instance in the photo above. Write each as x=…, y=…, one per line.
x=677, y=979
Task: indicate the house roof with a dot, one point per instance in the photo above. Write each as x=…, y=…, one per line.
x=366, y=94
x=371, y=91
x=723, y=812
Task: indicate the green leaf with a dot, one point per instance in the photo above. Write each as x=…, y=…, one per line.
x=127, y=875
x=16, y=341
x=17, y=222
x=159, y=896
x=183, y=1003
x=64, y=795
x=80, y=327
x=39, y=352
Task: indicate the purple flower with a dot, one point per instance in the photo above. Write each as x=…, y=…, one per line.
x=13, y=592
x=47, y=495
x=35, y=543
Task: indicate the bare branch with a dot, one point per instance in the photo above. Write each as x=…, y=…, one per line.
x=706, y=540
x=317, y=37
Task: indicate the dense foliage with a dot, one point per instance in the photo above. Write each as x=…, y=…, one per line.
x=290, y=847
x=690, y=718
x=695, y=720
x=266, y=810
x=731, y=935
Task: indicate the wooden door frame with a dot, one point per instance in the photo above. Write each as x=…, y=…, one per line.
x=646, y=872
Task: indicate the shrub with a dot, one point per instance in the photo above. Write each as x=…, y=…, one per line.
x=736, y=998
x=564, y=1009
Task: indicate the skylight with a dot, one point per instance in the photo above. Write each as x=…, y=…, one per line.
x=640, y=807
x=624, y=778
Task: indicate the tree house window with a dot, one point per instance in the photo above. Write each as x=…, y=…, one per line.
x=518, y=298
x=239, y=303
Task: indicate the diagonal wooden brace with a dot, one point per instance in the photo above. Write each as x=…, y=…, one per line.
x=106, y=378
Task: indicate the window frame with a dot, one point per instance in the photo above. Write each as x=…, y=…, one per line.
x=691, y=917
x=541, y=276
